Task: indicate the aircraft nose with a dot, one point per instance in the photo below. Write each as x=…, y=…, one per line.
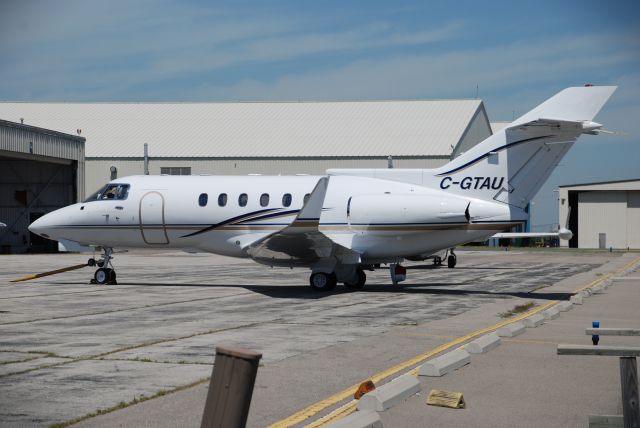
x=42, y=226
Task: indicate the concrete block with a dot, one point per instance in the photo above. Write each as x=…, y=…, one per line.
x=564, y=306
x=533, y=321
x=390, y=394
x=359, y=419
x=586, y=293
x=576, y=299
x=551, y=313
x=597, y=289
x=483, y=344
x=606, y=421
x=445, y=363
x=511, y=330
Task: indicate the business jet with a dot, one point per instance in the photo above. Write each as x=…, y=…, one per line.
x=342, y=223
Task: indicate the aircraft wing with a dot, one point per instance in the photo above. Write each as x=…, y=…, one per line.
x=301, y=242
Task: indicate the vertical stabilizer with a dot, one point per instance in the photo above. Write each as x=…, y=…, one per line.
x=512, y=165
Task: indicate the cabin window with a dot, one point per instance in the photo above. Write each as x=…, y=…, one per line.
x=264, y=199
x=242, y=200
x=306, y=198
x=203, y=199
x=286, y=199
x=222, y=199
x=112, y=191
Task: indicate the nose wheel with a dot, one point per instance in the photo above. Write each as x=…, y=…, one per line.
x=105, y=274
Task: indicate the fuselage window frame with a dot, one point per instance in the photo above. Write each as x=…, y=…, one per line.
x=243, y=199
x=264, y=199
x=286, y=200
x=110, y=192
x=203, y=199
x=222, y=199
x=306, y=197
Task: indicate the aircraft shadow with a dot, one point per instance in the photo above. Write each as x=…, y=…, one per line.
x=305, y=292
x=429, y=267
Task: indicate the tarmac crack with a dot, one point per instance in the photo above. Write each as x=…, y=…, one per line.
x=133, y=308
x=99, y=357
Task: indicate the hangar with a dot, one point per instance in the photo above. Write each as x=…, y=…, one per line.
x=40, y=170
x=602, y=215
x=260, y=137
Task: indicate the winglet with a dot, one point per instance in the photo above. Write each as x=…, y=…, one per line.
x=313, y=207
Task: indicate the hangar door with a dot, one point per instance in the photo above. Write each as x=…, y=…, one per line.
x=28, y=190
x=633, y=218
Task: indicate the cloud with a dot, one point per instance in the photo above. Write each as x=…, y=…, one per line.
x=84, y=46
x=449, y=74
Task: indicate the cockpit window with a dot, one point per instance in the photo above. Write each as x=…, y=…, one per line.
x=115, y=191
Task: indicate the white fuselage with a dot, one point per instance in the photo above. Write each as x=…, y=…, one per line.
x=380, y=219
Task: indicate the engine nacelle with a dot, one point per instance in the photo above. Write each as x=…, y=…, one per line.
x=406, y=208
x=398, y=208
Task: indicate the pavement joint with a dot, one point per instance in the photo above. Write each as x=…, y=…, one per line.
x=133, y=308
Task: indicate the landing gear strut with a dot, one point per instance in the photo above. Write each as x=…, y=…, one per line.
x=452, y=260
x=105, y=274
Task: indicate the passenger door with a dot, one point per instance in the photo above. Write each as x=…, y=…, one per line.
x=152, y=222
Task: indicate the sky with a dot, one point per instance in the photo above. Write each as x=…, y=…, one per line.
x=513, y=55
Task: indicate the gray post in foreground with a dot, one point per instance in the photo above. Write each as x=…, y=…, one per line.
x=629, y=382
x=628, y=375
x=231, y=388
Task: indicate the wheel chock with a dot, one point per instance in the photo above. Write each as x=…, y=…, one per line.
x=364, y=387
x=452, y=400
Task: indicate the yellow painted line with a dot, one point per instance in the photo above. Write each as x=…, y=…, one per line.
x=607, y=276
x=350, y=407
x=312, y=410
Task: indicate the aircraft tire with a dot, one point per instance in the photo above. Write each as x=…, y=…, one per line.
x=102, y=276
x=451, y=261
x=321, y=281
x=359, y=284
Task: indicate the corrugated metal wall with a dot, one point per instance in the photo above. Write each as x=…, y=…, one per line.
x=98, y=170
x=477, y=130
x=23, y=139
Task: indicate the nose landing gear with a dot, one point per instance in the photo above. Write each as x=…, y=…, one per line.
x=105, y=274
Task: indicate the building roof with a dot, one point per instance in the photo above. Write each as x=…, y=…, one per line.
x=281, y=129
x=44, y=131
x=631, y=184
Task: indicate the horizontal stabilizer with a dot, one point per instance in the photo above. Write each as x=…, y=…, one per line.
x=577, y=104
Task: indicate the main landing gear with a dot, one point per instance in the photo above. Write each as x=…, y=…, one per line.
x=353, y=279
x=105, y=274
x=452, y=260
